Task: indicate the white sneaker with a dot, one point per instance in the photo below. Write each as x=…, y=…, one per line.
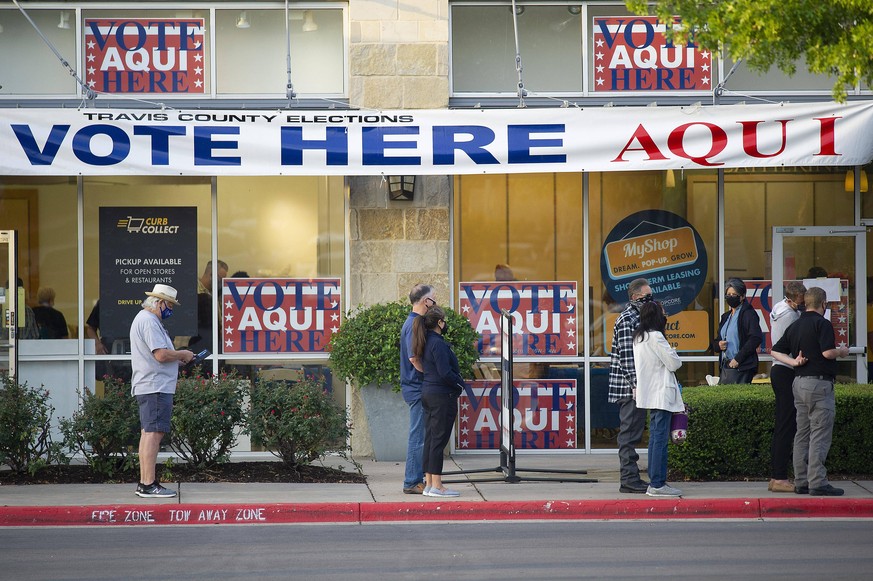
x=665, y=490
x=442, y=492
x=426, y=491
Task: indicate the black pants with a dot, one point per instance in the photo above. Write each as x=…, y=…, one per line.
x=440, y=412
x=785, y=426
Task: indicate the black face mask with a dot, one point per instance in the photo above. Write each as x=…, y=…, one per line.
x=800, y=307
x=733, y=301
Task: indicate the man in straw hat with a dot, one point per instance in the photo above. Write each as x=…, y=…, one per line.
x=155, y=365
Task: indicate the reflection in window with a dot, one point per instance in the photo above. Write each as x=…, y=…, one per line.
x=483, y=49
x=253, y=59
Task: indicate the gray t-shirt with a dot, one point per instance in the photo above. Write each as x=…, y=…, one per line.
x=150, y=375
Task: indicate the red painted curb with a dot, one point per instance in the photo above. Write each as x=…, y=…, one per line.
x=179, y=514
x=370, y=512
x=561, y=509
x=817, y=506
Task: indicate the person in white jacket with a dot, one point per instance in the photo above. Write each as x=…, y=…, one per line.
x=657, y=390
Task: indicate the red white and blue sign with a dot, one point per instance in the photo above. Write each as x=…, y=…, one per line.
x=633, y=54
x=279, y=315
x=145, y=55
x=759, y=294
x=544, y=414
x=544, y=321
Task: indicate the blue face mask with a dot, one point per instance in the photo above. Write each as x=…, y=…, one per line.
x=166, y=313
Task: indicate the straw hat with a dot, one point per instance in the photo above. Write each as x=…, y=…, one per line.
x=164, y=292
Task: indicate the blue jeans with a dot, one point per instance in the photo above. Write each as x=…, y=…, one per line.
x=414, y=467
x=659, y=434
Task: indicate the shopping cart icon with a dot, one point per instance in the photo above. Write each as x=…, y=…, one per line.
x=134, y=224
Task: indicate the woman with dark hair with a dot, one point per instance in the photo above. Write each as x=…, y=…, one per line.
x=440, y=388
x=657, y=390
x=739, y=336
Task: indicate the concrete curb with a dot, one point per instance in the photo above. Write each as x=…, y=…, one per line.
x=384, y=512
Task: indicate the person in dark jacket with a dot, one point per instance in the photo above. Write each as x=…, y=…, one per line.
x=739, y=336
x=51, y=322
x=441, y=385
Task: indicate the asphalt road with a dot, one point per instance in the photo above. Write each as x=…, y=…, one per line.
x=651, y=549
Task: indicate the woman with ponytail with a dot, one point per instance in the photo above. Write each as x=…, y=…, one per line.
x=440, y=389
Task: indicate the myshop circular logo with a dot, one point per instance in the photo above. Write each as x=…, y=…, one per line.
x=661, y=247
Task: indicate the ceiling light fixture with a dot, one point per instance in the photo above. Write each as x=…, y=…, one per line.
x=850, y=181
x=243, y=20
x=309, y=23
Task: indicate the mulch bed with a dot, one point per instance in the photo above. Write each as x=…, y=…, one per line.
x=242, y=472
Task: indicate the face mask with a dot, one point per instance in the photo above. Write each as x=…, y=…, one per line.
x=638, y=303
x=166, y=313
x=733, y=301
x=800, y=307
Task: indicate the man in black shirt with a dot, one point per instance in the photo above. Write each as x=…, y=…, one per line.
x=808, y=346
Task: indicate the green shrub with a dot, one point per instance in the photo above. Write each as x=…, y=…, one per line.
x=730, y=430
x=25, y=427
x=105, y=430
x=296, y=422
x=206, y=413
x=366, y=349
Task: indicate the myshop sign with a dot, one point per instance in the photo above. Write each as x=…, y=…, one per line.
x=128, y=142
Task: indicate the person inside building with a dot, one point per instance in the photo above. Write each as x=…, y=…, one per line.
x=503, y=272
x=739, y=336
x=203, y=338
x=51, y=322
x=103, y=345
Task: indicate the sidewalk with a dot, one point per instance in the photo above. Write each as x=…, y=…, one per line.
x=382, y=499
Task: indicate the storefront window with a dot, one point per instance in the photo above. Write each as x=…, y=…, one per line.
x=251, y=51
x=43, y=211
x=759, y=201
x=483, y=48
x=29, y=67
x=279, y=228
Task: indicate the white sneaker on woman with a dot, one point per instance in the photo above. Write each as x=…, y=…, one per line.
x=665, y=490
x=442, y=492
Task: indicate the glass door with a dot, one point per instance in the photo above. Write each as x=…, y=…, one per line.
x=832, y=258
x=9, y=303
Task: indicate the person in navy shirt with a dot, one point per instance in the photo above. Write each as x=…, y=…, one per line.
x=441, y=385
x=422, y=298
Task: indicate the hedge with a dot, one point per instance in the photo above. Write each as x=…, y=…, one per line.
x=730, y=429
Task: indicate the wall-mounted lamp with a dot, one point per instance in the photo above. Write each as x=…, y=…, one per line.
x=309, y=23
x=243, y=20
x=64, y=23
x=401, y=187
x=850, y=181
x=671, y=178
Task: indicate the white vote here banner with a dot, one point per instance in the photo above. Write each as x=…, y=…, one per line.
x=93, y=141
